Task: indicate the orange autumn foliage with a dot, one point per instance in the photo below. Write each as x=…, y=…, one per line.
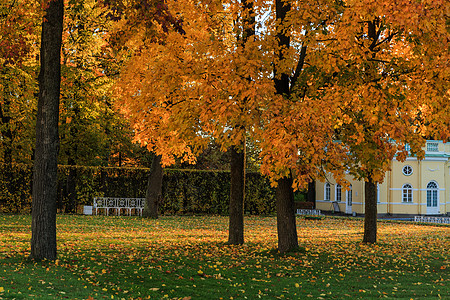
x=365, y=73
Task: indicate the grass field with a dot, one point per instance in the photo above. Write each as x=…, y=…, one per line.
x=187, y=258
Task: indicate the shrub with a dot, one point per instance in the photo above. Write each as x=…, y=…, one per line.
x=184, y=191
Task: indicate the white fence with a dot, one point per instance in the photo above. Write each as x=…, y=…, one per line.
x=439, y=220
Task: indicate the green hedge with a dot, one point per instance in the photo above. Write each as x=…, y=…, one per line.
x=15, y=187
x=184, y=191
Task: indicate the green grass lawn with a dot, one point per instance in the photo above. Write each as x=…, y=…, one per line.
x=187, y=258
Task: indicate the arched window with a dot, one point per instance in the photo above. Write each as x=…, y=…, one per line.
x=350, y=196
x=338, y=195
x=378, y=193
x=407, y=193
x=432, y=194
x=327, y=192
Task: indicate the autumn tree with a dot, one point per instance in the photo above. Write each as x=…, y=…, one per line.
x=379, y=56
x=363, y=83
x=139, y=23
x=313, y=78
x=18, y=22
x=189, y=93
x=286, y=225
x=296, y=140
x=207, y=83
x=43, y=238
x=238, y=151
x=18, y=69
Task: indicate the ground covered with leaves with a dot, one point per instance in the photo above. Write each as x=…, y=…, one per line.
x=102, y=257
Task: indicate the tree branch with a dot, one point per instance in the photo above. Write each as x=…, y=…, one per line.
x=299, y=68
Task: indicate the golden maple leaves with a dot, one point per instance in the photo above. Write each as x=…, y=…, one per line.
x=372, y=74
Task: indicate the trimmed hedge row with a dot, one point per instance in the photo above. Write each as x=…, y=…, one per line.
x=184, y=191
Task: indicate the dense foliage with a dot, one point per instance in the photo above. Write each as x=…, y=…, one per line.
x=184, y=191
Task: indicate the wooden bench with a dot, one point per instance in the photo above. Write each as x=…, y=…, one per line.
x=118, y=204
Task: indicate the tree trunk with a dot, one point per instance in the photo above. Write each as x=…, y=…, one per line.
x=237, y=194
x=311, y=195
x=71, y=205
x=5, y=131
x=237, y=166
x=44, y=194
x=370, y=218
x=286, y=223
x=154, y=189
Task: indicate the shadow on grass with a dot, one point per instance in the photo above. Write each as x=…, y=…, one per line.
x=299, y=251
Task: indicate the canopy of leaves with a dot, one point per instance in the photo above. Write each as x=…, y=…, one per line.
x=373, y=76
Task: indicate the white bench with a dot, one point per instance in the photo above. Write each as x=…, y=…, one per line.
x=118, y=204
x=312, y=212
x=438, y=220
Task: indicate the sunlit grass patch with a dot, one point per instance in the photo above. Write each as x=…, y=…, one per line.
x=182, y=257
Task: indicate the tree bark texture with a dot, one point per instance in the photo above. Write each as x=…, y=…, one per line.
x=282, y=79
x=286, y=223
x=45, y=194
x=71, y=205
x=154, y=189
x=370, y=218
x=311, y=195
x=237, y=194
x=5, y=130
x=237, y=163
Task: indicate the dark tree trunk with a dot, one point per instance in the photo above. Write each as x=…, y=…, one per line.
x=6, y=143
x=71, y=205
x=104, y=181
x=237, y=193
x=286, y=223
x=154, y=189
x=370, y=218
x=43, y=224
x=5, y=131
x=311, y=195
x=237, y=163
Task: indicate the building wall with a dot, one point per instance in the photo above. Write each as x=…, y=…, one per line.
x=434, y=168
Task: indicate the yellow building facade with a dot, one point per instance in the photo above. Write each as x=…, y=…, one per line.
x=412, y=187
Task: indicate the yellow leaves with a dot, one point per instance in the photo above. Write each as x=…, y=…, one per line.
x=2, y=289
x=354, y=87
x=142, y=251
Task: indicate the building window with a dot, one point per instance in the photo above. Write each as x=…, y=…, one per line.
x=432, y=194
x=432, y=147
x=407, y=170
x=349, y=196
x=407, y=193
x=338, y=193
x=327, y=192
x=378, y=193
